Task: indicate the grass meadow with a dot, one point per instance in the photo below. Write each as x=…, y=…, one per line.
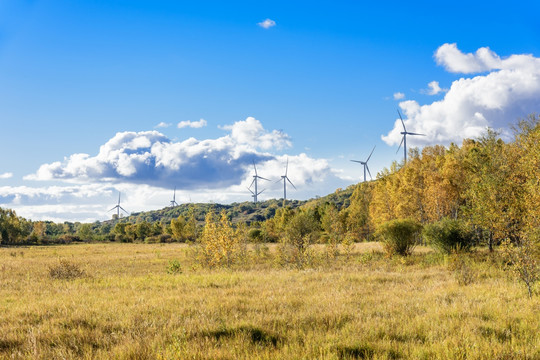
x=129, y=301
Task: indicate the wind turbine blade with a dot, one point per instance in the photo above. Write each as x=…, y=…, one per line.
x=118, y=198
x=124, y=210
x=369, y=157
x=357, y=161
x=112, y=209
x=401, y=121
x=251, y=191
x=260, y=192
x=279, y=180
x=252, y=182
x=260, y=177
x=367, y=167
x=291, y=183
x=403, y=138
x=254, y=167
x=409, y=133
x=287, y=167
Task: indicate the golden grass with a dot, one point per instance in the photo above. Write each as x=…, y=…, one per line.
x=126, y=306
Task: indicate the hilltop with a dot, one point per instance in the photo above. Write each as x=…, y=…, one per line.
x=247, y=211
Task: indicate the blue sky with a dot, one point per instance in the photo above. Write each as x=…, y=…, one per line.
x=320, y=87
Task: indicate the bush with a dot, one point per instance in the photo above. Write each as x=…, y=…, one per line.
x=522, y=259
x=460, y=266
x=448, y=236
x=67, y=239
x=65, y=270
x=255, y=235
x=399, y=236
x=174, y=267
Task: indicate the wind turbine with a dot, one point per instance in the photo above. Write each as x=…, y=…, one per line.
x=404, y=139
x=255, y=178
x=366, y=165
x=173, y=201
x=285, y=178
x=118, y=208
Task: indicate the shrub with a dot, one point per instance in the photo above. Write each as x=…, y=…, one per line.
x=399, y=236
x=65, y=270
x=448, y=236
x=67, y=239
x=299, y=233
x=219, y=244
x=522, y=259
x=460, y=266
x=255, y=235
x=174, y=267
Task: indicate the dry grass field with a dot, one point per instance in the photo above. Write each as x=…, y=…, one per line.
x=125, y=301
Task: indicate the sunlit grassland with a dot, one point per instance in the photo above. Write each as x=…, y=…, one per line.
x=127, y=306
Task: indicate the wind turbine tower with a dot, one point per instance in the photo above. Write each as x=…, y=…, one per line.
x=285, y=178
x=404, y=139
x=366, y=167
x=118, y=208
x=254, y=182
x=173, y=201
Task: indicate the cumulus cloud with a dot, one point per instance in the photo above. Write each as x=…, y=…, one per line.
x=434, y=88
x=453, y=60
x=192, y=124
x=6, y=175
x=267, y=24
x=163, y=125
x=149, y=157
x=510, y=90
x=399, y=95
x=251, y=132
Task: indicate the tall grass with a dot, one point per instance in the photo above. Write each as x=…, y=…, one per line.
x=128, y=306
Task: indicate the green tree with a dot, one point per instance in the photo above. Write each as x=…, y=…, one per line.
x=357, y=215
x=86, y=232
x=178, y=228
x=11, y=227
x=299, y=233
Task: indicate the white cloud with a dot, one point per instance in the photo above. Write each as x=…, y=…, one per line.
x=192, y=124
x=399, y=95
x=449, y=56
x=163, y=125
x=434, y=88
x=6, y=175
x=267, y=24
x=251, y=132
x=149, y=157
x=509, y=91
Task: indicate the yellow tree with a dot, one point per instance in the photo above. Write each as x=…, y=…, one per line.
x=408, y=197
x=383, y=197
x=219, y=245
x=333, y=224
x=493, y=190
x=441, y=171
x=178, y=226
x=357, y=220
x=528, y=149
x=38, y=230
